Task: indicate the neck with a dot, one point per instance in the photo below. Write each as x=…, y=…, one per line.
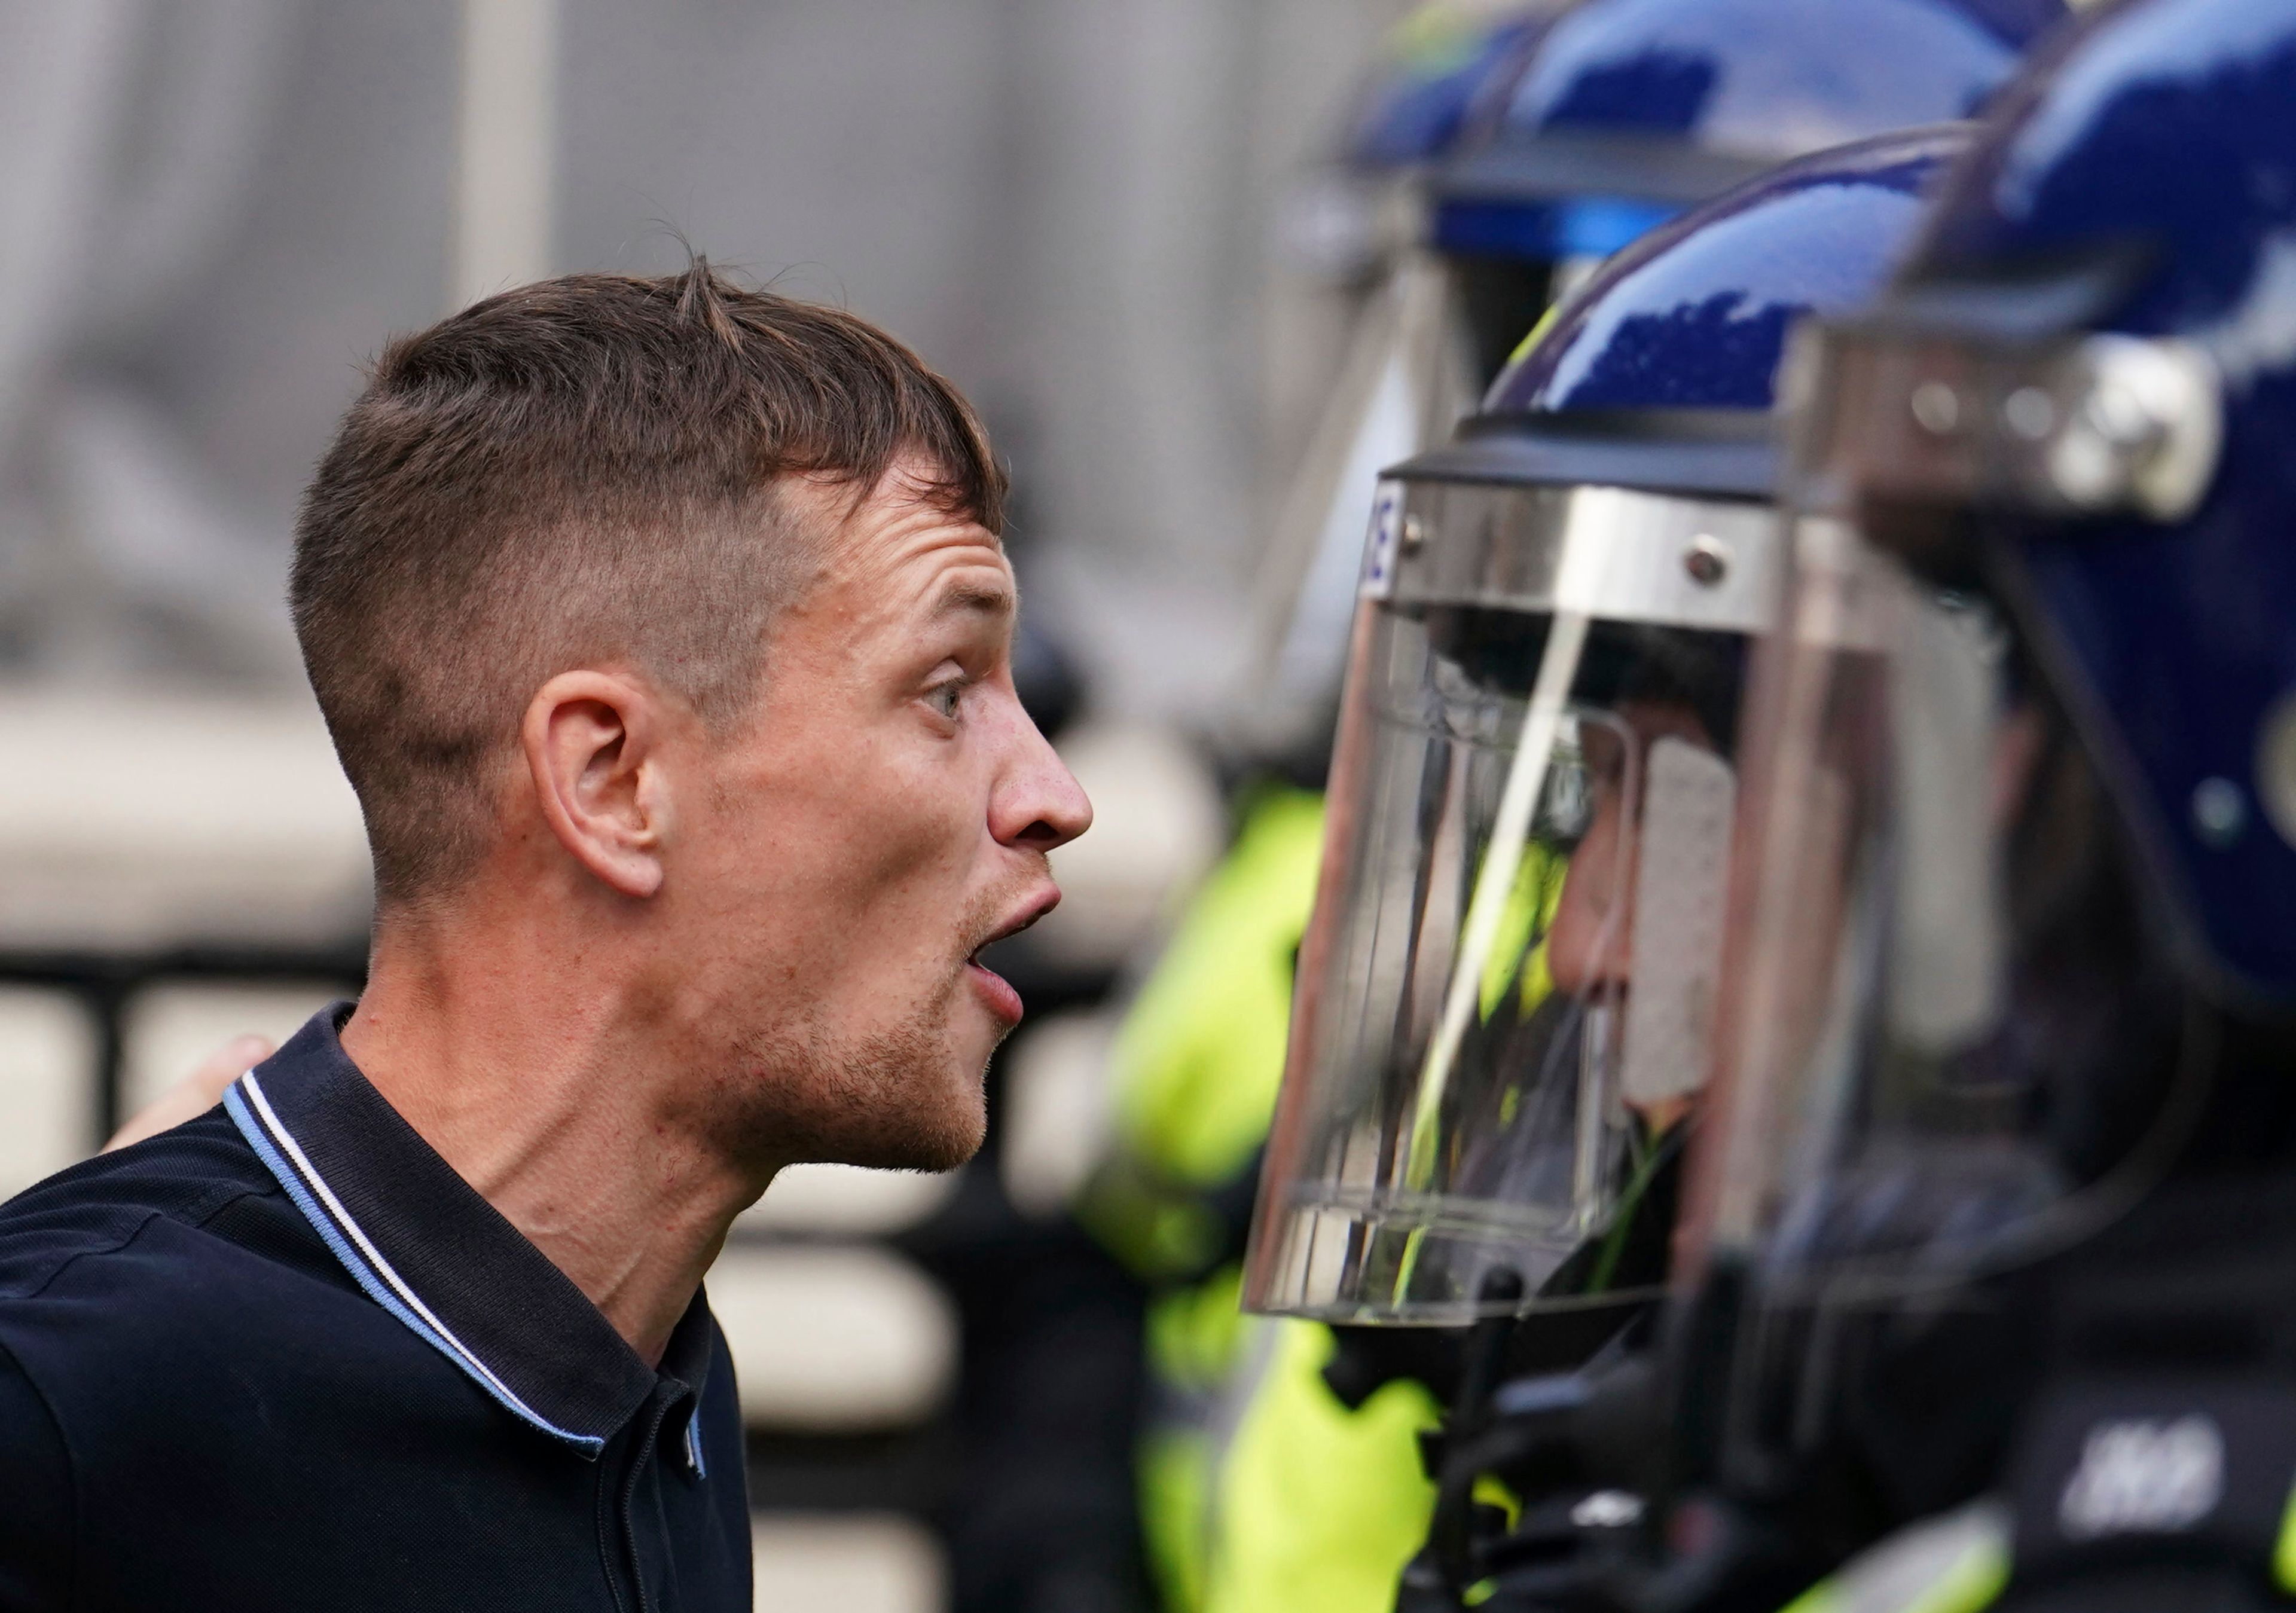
x=546, y=1083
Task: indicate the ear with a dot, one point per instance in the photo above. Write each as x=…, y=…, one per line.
x=593, y=743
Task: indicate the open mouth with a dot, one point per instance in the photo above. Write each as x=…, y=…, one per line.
x=1035, y=909
x=1002, y=1000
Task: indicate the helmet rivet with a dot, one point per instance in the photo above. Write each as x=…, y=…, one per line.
x=1707, y=560
x=1413, y=535
x=2276, y=766
x=2122, y=415
x=2219, y=813
x=1936, y=407
x=2030, y=413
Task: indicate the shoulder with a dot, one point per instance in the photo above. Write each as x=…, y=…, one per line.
x=134, y=1257
x=102, y=1269
x=170, y=1286
x=181, y=1178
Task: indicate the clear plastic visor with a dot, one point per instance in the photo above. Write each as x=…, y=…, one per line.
x=1506, y=992
x=1952, y=1039
x=1407, y=378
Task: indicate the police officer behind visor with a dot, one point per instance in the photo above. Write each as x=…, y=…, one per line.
x=2017, y=1026
x=1583, y=570
x=1429, y=330
x=1596, y=148
x=1508, y=986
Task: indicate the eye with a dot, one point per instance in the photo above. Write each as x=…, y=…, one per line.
x=944, y=697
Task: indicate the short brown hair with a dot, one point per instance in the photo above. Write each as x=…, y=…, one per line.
x=573, y=473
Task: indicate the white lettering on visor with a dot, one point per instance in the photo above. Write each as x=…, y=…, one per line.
x=1380, y=545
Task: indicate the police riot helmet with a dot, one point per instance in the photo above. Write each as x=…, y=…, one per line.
x=2021, y=888
x=1431, y=69
x=1587, y=126
x=1630, y=108
x=1358, y=207
x=1506, y=991
x=1622, y=112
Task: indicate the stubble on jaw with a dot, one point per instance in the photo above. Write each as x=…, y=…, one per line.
x=900, y=1096
x=893, y=1100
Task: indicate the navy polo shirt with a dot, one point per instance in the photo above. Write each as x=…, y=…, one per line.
x=285, y=1357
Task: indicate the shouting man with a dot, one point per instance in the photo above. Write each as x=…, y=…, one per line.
x=662, y=629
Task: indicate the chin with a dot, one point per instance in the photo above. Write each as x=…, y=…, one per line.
x=949, y=1148
x=940, y=1125
x=911, y=1095
x=954, y=1124
x=920, y=1113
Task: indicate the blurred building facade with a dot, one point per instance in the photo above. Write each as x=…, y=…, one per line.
x=222, y=206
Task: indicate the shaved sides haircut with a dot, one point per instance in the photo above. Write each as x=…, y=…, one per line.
x=587, y=471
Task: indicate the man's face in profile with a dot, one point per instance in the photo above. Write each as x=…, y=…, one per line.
x=883, y=812
x=1592, y=940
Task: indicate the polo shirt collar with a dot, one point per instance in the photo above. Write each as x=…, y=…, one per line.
x=428, y=1248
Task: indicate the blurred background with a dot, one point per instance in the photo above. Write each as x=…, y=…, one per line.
x=1101, y=220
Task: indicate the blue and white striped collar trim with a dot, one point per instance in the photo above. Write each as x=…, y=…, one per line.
x=252, y=1112
x=425, y=1245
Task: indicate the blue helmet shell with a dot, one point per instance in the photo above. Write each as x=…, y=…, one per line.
x=1693, y=319
x=1695, y=315
x=2165, y=132
x=1654, y=105
x=1437, y=63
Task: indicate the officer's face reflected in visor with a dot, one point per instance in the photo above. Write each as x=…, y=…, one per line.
x=1953, y=1037
x=1506, y=994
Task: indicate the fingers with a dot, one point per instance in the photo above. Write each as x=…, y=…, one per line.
x=197, y=1094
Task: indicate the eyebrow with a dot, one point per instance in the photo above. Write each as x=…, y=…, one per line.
x=991, y=599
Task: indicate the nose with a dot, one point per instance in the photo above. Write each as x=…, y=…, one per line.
x=1588, y=945
x=1037, y=804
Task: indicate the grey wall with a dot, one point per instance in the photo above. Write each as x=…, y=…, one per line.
x=217, y=206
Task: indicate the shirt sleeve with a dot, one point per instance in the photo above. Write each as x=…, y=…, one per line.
x=36, y=1498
